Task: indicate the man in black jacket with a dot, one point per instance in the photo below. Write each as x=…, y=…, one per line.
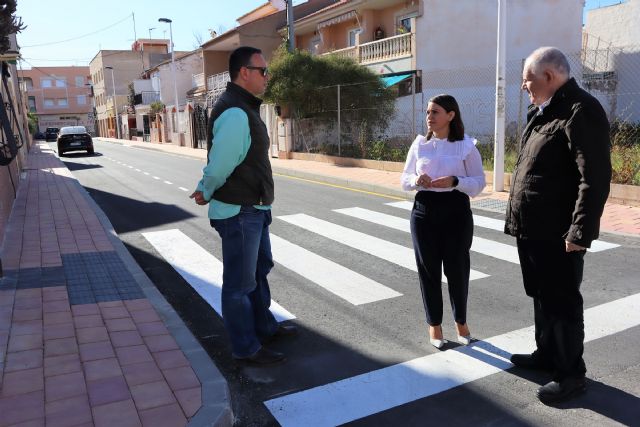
x=558, y=191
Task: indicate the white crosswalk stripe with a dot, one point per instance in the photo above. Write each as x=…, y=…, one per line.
x=198, y=267
x=367, y=394
x=498, y=225
x=347, y=284
x=392, y=252
x=484, y=246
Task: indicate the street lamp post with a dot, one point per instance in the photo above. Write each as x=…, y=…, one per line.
x=115, y=103
x=173, y=71
x=152, y=28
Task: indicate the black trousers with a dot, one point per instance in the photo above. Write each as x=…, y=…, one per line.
x=552, y=278
x=442, y=231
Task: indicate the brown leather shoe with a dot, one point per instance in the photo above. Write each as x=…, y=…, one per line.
x=264, y=356
x=283, y=331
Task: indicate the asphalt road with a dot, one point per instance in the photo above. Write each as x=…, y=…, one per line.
x=369, y=363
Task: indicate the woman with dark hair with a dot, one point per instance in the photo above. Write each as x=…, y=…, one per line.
x=445, y=168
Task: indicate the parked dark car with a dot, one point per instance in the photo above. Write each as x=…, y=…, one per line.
x=74, y=138
x=39, y=135
x=51, y=134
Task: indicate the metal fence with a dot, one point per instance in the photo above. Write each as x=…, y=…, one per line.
x=338, y=125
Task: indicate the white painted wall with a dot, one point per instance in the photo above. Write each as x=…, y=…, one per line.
x=185, y=68
x=617, y=24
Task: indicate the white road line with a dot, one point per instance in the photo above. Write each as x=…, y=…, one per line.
x=183, y=189
x=367, y=394
x=138, y=170
x=347, y=284
x=380, y=248
x=198, y=267
x=130, y=167
x=168, y=182
x=498, y=225
x=146, y=173
x=484, y=246
x=155, y=177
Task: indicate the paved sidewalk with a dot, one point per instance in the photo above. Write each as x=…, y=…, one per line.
x=617, y=218
x=85, y=337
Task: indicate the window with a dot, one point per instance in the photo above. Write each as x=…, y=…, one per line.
x=79, y=81
x=404, y=23
x=314, y=45
x=82, y=99
x=28, y=83
x=61, y=83
x=46, y=82
x=62, y=102
x=49, y=102
x=32, y=104
x=352, y=35
x=404, y=87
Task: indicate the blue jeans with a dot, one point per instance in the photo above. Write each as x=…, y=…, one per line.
x=246, y=257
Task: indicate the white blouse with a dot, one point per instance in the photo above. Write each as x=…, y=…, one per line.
x=440, y=157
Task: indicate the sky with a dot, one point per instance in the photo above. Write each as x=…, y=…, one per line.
x=71, y=32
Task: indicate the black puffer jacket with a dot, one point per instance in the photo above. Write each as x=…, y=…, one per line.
x=561, y=180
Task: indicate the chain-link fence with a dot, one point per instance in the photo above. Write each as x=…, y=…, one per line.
x=342, y=124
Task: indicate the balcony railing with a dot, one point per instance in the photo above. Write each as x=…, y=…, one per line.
x=197, y=80
x=146, y=98
x=218, y=81
x=395, y=47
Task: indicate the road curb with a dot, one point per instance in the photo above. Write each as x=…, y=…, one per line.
x=216, y=407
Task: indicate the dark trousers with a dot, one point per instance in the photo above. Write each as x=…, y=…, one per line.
x=442, y=231
x=552, y=278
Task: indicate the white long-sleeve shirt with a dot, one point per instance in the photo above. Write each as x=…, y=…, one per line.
x=440, y=157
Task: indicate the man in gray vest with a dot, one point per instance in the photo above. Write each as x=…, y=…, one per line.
x=237, y=184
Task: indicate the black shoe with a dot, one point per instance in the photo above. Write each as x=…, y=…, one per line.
x=264, y=356
x=559, y=391
x=530, y=361
x=283, y=331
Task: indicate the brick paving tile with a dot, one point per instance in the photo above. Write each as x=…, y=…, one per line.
x=104, y=368
x=137, y=304
x=96, y=350
x=107, y=304
x=20, y=382
x=21, y=408
x=142, y=373
x=28, y=359
x=27, y=327
x=114, y=312
x=56, y=306
x=64, y=386
x=190, y=400
x=93, y=334
x=58, y=365
x=38, y=422
x=153, y=328
x=24, y=342
x=125, y=324
x=169, y=416
x=151, y=395
x=22, y=314
x=55, y=293
x=108, y=390
x=57, y=331
x=60, y=346
x=88, y=321
x=170, y=359
x=133, y=354
x=57, y=317
x=85, y=309
x=158, y=343
x=120, y=414
x=28, y=303
x=68, y=412
x=181, y=378
x=145, y=316
x=126, y=338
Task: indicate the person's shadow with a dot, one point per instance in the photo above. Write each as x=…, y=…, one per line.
x=608, y=401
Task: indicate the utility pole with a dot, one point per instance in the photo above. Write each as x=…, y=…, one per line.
x=292, y=40
x=498, y=149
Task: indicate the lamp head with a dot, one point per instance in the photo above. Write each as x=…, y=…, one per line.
x=167, y=20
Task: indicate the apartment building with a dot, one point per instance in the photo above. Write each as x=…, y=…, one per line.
x=59, y=96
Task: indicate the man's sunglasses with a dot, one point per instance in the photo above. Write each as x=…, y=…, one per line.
x=263, y=70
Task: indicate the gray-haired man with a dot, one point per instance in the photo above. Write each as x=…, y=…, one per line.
x=559, y=188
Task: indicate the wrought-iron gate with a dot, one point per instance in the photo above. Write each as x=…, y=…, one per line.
x=200, y=126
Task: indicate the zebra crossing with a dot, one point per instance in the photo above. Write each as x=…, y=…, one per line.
x=366, y=394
